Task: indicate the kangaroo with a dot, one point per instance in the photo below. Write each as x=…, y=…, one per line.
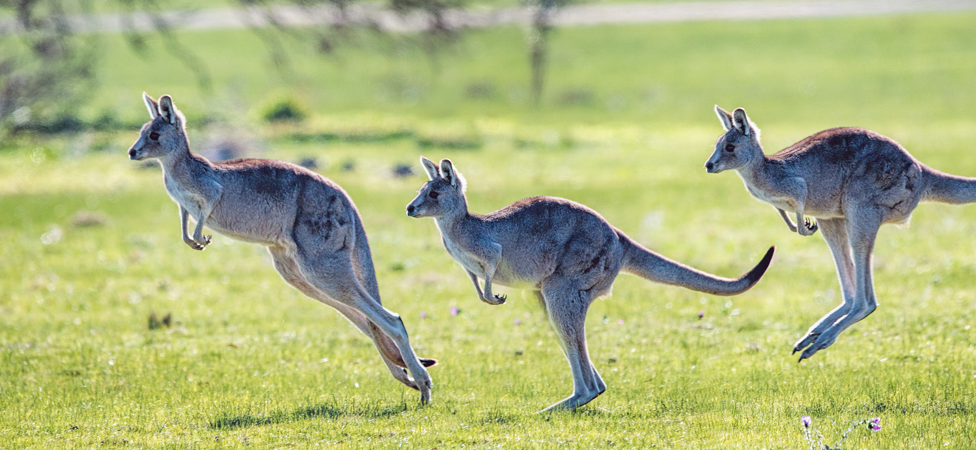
x=565, y=252
x=851, y=181
x=308, y=223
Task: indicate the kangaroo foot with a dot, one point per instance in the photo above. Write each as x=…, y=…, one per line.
x=574, y=401
x=805, y=341
x=424, y=386
x=825, y=340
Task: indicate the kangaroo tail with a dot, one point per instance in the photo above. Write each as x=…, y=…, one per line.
x=945, y=188
x=649, y=265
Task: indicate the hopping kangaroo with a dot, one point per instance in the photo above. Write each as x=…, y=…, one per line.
x=852, y=181
x=310, y=226
x=565, y=252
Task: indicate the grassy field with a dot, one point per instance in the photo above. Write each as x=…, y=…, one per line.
x=91, y=248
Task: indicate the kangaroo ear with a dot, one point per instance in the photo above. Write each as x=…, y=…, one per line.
x=449, y=174
x=742, y=123
x=168, y=110
x=151, y=105
x=430, y=167
x=724, y=117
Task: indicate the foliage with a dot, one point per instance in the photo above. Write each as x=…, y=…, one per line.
x=815, y=439
x=284, y=108
x=45, y=69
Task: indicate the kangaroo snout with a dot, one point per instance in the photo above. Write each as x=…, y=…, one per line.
x=414, y=210
x=714, y=167
x=132, y=153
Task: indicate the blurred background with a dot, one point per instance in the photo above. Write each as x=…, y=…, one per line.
x=79, y=66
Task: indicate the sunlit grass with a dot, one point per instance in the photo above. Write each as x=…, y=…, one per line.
x=248, y=360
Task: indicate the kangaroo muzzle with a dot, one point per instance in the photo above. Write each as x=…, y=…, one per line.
x=711, y=167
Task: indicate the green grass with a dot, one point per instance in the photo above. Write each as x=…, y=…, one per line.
x=250, y=361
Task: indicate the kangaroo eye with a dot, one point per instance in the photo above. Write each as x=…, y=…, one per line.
x=730, y=148
x=154, y=135
x=433, y=195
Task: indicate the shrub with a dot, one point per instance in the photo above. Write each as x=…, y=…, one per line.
x=285, y=108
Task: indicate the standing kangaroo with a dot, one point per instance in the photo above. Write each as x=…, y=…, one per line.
x=852, y=181
x=310, y=226
x=565, y=252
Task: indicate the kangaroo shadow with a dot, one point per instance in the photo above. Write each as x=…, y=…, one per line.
x=325, y=410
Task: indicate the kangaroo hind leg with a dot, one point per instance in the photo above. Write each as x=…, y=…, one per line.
x=835, y=233
x=334, y=276
x=862, y=230
x=392, y=356
x=566, y=306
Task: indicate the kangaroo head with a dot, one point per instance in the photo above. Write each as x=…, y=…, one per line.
x=739, y=146
x=442, y=195
x=164, y=134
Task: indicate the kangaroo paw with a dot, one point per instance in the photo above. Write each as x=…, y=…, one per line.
x=495, y=300
x=195, y=245
x=808, y=227
x=199, y=245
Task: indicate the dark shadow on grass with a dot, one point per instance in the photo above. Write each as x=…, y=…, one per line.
x=325, y=411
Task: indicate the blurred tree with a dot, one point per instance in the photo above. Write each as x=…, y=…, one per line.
x=45, y=69
x=541, y=26
x=49, y=55
x=49, y=48
x=329, y=23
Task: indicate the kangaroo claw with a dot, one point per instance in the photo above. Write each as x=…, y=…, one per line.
x=495, y=300
x=807, y=228
x=199, y=245
x=804, y=342
x=811, y=225
x=809, y=352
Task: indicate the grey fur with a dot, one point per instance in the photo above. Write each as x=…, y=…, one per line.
x=852, y=181
x=309, y=224
x=565, y=252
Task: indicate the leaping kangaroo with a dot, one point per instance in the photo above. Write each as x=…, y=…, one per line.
x=565, y=252
x=309, y=225
x=852, y=181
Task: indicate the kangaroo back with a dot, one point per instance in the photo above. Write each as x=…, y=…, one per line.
x=651, y=266
x=945, y=188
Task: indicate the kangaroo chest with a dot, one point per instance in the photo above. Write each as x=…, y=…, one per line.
x=784, y=203
x=467, y=260
x=189, y=201
x=761, y=191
